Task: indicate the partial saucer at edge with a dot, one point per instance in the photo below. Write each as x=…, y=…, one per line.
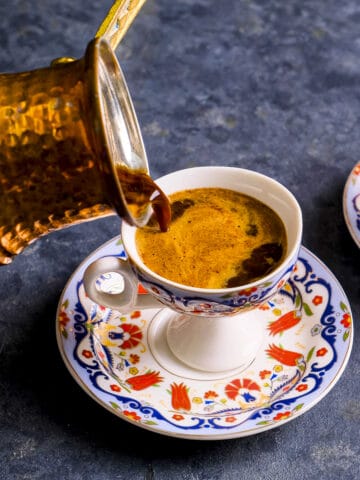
x=305, y=350
x=351, y=203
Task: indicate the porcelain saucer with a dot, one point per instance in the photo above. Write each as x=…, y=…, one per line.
x=305, y=350
x=351, y=203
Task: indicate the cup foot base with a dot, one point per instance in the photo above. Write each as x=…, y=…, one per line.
x=158, y=341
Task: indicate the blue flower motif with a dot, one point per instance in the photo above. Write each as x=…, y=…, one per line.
x=248, y=397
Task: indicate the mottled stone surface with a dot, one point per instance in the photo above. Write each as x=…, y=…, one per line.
x=268, y=85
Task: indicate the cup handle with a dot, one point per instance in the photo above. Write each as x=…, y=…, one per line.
x=128, y=299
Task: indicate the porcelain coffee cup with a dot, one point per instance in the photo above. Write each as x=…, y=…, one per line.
x=197, y=301
x=193, y=302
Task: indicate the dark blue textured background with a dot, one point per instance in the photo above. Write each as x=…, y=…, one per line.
x=269, y=85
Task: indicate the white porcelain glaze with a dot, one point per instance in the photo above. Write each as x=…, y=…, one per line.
x=195, y=343
x=351, y=203
x=306, y=345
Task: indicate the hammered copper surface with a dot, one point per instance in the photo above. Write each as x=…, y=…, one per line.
x=53, y=170
x=49, y=177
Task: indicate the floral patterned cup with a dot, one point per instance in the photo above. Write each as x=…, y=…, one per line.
x=201, y=321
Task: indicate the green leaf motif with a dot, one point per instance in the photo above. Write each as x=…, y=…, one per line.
x=89, y=327
x=298, y=407
x=264, y=422
x=150, y=422
x=308, y=310
x=64, y=333
x=343, y=307
x=65, y=304
x=346, y=335
x=297, y=301
x=310, y=354
x=114, y=405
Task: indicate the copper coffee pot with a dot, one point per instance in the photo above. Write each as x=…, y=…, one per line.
x=65, y=130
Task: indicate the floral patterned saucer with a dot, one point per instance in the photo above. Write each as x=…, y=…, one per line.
x=351, y=203
x=305, y=349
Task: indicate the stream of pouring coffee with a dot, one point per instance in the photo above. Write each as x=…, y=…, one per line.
x=140, y=190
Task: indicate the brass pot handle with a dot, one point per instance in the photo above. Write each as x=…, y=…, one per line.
x=118, y=20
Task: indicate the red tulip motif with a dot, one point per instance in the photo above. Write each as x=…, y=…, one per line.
x=148, y=379
x=289, y=320
x=179, y=397
x=286, y=357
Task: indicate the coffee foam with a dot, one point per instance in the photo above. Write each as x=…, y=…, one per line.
x=213, y=232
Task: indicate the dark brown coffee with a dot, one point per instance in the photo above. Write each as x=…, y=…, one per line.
x=140, y=191
x=218, y=238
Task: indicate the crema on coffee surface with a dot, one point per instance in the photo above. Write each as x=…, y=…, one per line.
x=218, y=238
